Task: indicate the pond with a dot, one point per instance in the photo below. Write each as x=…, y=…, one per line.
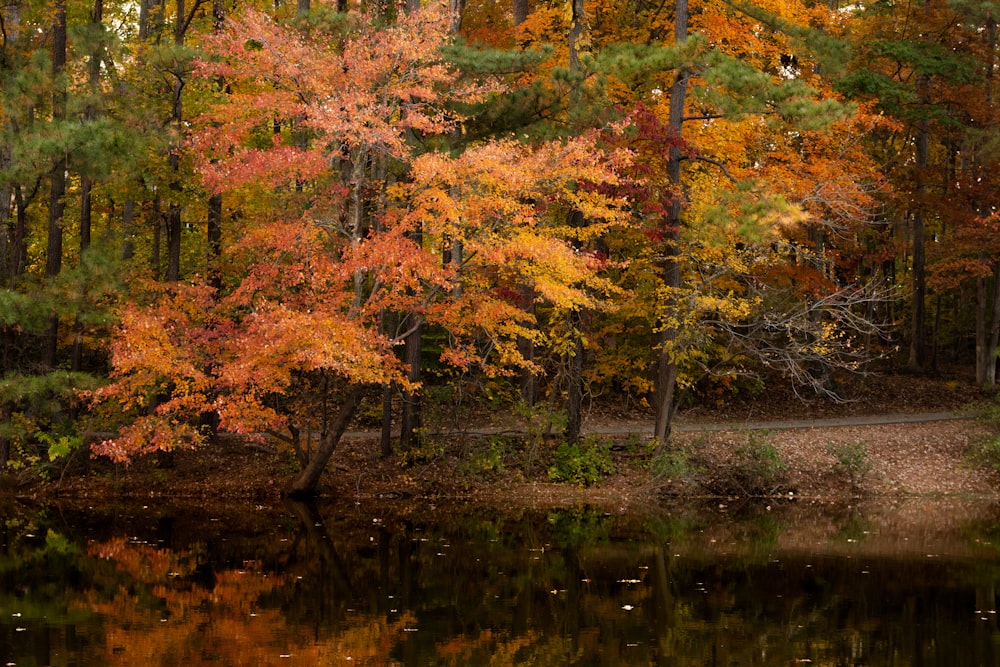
x=910, y=583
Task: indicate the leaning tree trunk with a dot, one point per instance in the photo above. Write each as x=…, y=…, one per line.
x=306, y=482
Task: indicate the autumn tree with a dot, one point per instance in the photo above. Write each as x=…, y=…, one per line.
x=293, y=347
x=928, y=66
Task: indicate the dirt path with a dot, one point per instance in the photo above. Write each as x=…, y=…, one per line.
x=624, y=428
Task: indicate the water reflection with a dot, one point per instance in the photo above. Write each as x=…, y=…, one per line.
x=423, y=585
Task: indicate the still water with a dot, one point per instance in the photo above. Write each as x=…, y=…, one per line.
x=352, y=584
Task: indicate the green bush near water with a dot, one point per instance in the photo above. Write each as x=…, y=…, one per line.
x=584, y=464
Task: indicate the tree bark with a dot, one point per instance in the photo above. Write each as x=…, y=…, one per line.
x=575, y=33
x=574, y=400
x=86, y=183
x=411, y=418
x=456, y=8
x=57, y=185
x=918, y=353
x=172, y=218
x=520, y=10
x=990, y=377
x=306, y=482
x=666, y=366
x=981, y=348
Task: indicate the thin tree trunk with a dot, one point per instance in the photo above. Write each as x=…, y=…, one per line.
x=575, y=33
x=918, y=353
x=86, y=183
x=213, y=226
x=385, y=440
x=128, y=225
x=526, y=347
x=990, y=378
x=156, y=216
x=666, y=367
x=574, y=400
x=172, y=218
x=57, y=188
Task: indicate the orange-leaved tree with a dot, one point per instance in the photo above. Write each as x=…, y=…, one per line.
x=327, y=134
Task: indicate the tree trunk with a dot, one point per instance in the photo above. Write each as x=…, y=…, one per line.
x=520, y=10
x=526, y=348
x=172, y=218
x=574, y=400
x=409, y=435
x=919, y=280
x=576, y=32
x=981, y=331
x=86, y=183
x=306, y=482
x=57, y=186
x=385, y=439
x=455, y=10
x=990, y=378
x=666, y=371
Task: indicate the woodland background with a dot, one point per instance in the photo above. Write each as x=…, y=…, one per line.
x=264, y=217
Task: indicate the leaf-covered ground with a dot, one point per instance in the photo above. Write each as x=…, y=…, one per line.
x=816, y=464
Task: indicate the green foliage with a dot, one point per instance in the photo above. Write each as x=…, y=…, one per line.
x=985, y=450
x=852, y=460
x=493, y=460
x=579, y=526
x=584, y=464
x=673, y=464
x=61, y=446
x=424, y=452
x=757, y=468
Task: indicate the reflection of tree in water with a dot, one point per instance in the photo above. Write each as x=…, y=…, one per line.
x=440, y=586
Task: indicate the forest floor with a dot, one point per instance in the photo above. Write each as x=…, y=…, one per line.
x=900, y=435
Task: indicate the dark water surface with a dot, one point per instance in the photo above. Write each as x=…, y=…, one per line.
x=348, y=584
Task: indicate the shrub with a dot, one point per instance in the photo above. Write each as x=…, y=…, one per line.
x=985, y=451
x=757, y=467
x=673, y=464
x=583, y=464
x=852, y=460
x=492, y=460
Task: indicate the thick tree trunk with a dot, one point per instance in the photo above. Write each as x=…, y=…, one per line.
x=409, y=435
x=456, y=9
x=520, y=10
x=666, y=371
x=306, y=482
